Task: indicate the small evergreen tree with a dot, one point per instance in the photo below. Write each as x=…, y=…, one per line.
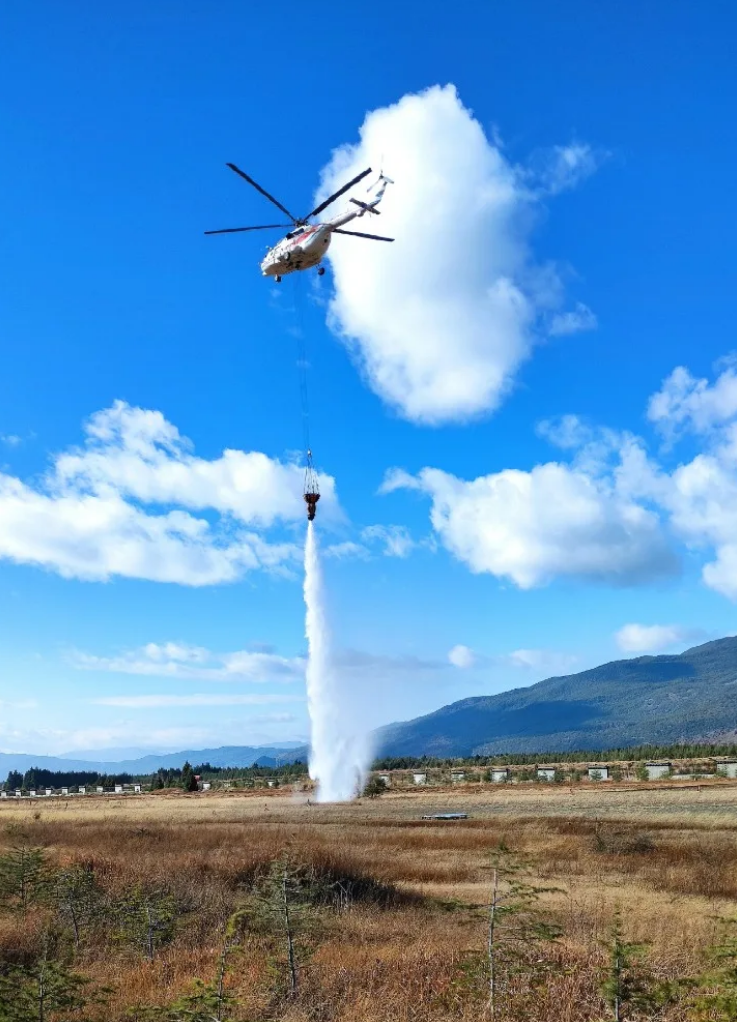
x=516, y=925
x=146, y=919
x=77, y=897
x=374, y=787
x=207, y=1002
x=279, y=913
x=24, y=876
x=719, y=1002
x=40, y=992
x=628, y=987
x=14, y=781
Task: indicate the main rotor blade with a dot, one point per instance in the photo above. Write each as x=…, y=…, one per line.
x=262, y=190
x=237, y=230
x=359, y=234
x=337, y=195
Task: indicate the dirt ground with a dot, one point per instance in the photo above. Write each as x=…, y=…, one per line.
x=701, y=804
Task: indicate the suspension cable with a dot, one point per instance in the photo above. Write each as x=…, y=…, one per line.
x=311, y=482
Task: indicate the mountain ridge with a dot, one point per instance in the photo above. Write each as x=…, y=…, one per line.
x=649, y=699
x=223, y=756
x=666, y=699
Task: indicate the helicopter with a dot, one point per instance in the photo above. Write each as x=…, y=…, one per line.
x=306, y=244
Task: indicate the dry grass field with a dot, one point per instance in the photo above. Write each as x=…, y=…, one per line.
x=388, y=913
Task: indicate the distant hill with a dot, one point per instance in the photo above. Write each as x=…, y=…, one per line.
x=225, y=756
x=650, y=699
x=661, y=700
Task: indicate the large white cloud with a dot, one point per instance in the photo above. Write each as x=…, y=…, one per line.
x=700, y=495
x=137, y=453
x=122, y=505
x=611, y=512
x=532, y=526
x=440, y=320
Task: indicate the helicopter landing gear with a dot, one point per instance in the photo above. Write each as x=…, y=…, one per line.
x=277, y=280
x=321, y=271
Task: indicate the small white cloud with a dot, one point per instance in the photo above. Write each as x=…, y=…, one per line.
x=398, y=479
x=10, y=440
x=574, y=321
x=540, y=660
x=463, y=657
x=685, y=403
x=636, y=638
x=395, y=539
x=347, y=550
x=440, y=335
x=563, y=167
x=179, y=660
x=357, y=660
x=149, y=702
x=567, y=432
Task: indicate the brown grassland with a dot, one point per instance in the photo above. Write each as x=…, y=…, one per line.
x=396, y=924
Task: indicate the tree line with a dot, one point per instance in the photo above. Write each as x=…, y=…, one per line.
x=36, y=777
x=165, y=777
x=624, y=754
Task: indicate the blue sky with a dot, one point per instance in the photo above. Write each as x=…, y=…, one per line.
x=518, y=472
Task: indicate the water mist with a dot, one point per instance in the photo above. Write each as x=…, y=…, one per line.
x=340, y=749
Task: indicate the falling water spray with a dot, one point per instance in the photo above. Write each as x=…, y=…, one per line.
x=340, y=748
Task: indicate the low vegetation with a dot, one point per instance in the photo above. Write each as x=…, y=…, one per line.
x=279, y=910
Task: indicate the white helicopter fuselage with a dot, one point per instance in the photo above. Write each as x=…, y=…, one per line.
x=306, y=245
x=302, y=249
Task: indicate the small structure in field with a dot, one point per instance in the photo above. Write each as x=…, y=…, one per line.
x=65, y=791
x=48, y=791
x=136, y=789
x=446, y=816
x=457, y=775
x=100, y=790
x=655, y=771
x=499, y=775
x=205, y=786
x=546, y=773
x=3, y=793
x=386, y=780
x=83, y=789
x=598, y=773
x=728, y=768
x=118, y=789
x=419, y=778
